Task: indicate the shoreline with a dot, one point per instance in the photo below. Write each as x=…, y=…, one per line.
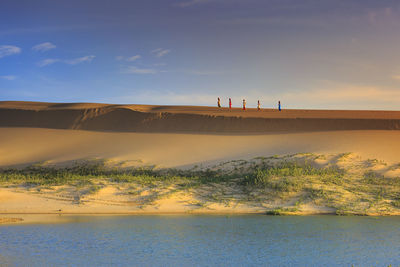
x=51, y=218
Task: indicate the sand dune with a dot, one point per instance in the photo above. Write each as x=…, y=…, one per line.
x=177, y=136
x=24, y=146
x=187, y=119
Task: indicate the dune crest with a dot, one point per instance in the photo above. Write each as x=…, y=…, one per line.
x=188, y=119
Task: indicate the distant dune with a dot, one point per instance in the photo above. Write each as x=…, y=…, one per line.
x=177, y=136
x=188, y=119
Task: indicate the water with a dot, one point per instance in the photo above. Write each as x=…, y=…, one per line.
x=204, y=241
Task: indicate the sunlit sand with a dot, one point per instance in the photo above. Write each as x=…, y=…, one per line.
x=180, y=137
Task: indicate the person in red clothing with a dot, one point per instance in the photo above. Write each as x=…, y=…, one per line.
x=244, y=104
x=230, y=104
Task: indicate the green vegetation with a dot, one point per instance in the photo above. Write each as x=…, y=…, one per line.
x=283, y=185
x=81, y=175
x=288, y=176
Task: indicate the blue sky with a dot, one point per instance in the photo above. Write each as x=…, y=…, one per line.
x=306, y=53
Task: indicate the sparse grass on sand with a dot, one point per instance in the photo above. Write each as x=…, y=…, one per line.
x=290, y=184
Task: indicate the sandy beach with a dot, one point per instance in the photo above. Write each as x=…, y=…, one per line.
x=132, y=136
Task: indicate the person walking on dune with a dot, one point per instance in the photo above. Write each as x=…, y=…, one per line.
x=258, y=105
x=230, y=104
x=219, y=102
x=279, y=106
x=244, y=104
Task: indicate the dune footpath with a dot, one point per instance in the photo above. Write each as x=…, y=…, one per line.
x=54, y=134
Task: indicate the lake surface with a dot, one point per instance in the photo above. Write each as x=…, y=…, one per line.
x=172, y=240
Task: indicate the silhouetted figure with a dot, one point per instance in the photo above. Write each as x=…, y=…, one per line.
x=258, y=105
x=230, y=104
x=219, y=102
x=279, y=105
x=244, y=104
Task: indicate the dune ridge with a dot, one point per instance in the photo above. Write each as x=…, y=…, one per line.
x=176, y=119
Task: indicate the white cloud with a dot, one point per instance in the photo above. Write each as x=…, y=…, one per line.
x=135, y=70
x=74, y=61
x=8, y=77
x=8, y=50
x=43, y=47
x=79, y=60
x=133, y=58
x=159, y=52
x=47, y=61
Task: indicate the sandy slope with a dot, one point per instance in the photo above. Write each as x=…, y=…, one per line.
x=22, y=146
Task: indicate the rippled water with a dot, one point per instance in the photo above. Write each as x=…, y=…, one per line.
x=204, y=241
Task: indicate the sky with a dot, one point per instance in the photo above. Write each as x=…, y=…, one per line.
x=319, y=54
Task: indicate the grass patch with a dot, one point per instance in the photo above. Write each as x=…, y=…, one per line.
x=290, y=176
x=277, y=181
x=282, y=211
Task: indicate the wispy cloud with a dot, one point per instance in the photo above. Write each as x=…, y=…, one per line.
x=80, y=60
x=74, y=61
x=8, y=50
x=43, y=47
x=133, y=58
x=8, y=77
x=47, y=61
x=136, y=70
x=160, y=52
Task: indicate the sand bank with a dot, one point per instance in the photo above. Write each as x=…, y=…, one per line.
x=61, y=134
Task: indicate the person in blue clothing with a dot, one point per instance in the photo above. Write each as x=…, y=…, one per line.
x=279, y=105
